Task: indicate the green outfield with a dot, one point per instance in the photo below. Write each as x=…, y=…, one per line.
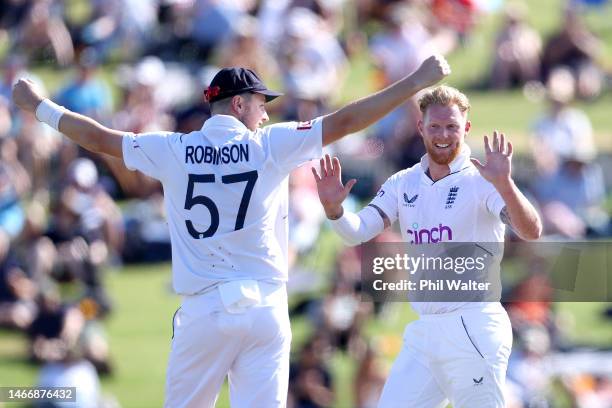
x=140, y=331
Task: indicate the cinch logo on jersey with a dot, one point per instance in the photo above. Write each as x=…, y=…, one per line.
x=217, y=155
x=431, y=235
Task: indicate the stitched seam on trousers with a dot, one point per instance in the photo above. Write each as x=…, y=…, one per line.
x=174, y=317
x=470, y=337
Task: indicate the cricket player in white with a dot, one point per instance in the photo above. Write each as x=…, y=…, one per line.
x=455, y=351
x=225, y=189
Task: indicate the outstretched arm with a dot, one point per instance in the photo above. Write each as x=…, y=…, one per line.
x=352, y=228
x=82, y=130
x=519, y=213
x=363, y=112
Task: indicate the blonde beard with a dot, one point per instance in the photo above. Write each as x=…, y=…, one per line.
x=444, y=161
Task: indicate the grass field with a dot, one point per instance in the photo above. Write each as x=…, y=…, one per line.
x=140, y=327
x=140, y=331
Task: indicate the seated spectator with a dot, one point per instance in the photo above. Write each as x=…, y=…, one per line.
x=54, y=337
x=83, y=176
x=125, y=26
x=312, y=65
x=12, y=217
x=369, y=379
x=64, y=333
x=41, y=28
x=86, y=94
x=147, y=234
x=55, y=332
x=561, y=127
x=310, y=380
x=572, y=198
x=18, y=175
x=517, y=51
x=214, y=22
x=78, y=246
x=17, y=290
x=245, y=50
x=576, y=47
x=570, y=188
x=398, y=49
x=12, y=68
x=343, y=315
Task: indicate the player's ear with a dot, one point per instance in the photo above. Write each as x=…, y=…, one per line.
x=468, y=126
x=237, y=103
x=420, y=127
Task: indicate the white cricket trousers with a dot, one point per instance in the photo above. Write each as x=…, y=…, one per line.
x=461, y=357
x=251, y=348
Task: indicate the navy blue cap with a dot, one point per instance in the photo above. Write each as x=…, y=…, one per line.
x=233, y=81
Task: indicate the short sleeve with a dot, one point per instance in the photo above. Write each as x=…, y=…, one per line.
x=493, y=200
x=386, y=198
x=147, y=152
x=292, y=144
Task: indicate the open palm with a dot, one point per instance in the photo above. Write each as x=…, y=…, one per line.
x=497, y=168
x=329, y=184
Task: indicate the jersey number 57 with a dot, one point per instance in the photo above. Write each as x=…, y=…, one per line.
x=190, y=200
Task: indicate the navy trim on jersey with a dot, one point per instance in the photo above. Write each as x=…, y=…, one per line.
x=380, y=212
x=449, y=174
x=173, y=317
x=484, y=249
x=470, y=337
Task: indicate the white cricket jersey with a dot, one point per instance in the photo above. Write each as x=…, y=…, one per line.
x=461, y=207
x=226, y=195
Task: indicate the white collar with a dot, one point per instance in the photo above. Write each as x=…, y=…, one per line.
x=461, y=161
x=226, y=121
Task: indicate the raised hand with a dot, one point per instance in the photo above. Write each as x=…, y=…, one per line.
x=431, y=71
x=497, y=168
x=26, y=96
x=329, y=186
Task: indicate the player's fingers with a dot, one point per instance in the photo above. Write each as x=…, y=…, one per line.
x=495, y=141
x=444, y=65
x=315, y=174
x=323, y=170
x=509, y=151
x=337, y=168
x=502, y=143
x=349, y=185
x=487, y=145
x=330, y=169
x=477, y=163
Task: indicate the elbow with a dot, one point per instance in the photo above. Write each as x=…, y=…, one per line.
x=534, y=232
x=539, y=229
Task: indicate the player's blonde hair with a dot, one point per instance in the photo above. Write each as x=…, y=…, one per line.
x=446, y=96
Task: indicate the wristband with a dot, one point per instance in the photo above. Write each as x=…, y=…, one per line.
x=50, y=113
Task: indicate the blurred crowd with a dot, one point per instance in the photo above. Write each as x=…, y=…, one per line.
x=141, y=65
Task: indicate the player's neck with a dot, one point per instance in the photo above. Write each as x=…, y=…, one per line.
x=437, y=171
